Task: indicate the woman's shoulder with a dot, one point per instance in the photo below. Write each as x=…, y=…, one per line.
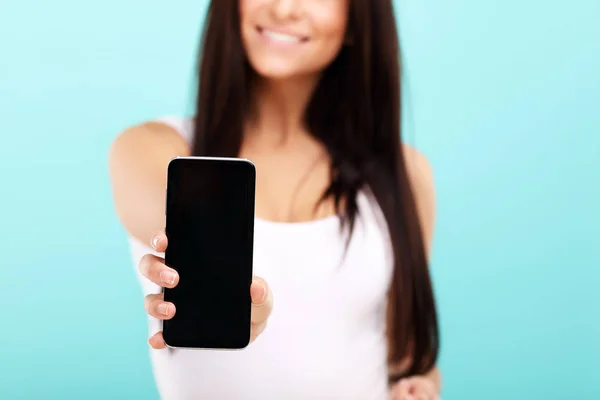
x=418, y=167
x=178, y=131
x=184, y=126
x=420, y=175
x=166, y=134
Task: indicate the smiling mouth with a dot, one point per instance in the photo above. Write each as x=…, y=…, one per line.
x=281, y=37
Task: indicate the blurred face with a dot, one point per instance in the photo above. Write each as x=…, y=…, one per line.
x=289, y=38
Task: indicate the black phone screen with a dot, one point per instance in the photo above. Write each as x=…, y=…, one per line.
x=210, y=228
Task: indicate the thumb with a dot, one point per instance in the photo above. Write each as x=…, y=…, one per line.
x=258, y=291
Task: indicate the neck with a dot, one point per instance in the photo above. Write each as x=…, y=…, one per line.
x=279, y=106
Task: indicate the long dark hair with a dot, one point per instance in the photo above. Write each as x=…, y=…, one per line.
x=355, y=113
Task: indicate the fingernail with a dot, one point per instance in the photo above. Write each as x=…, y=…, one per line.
x=167, y=277
x=154, y=242
x=163, y=308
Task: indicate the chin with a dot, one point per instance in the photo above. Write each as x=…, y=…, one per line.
x=276, y=71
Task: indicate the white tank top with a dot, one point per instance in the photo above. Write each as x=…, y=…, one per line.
x=326, y=337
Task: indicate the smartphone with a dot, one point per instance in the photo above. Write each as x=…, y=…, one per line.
x=210, y=228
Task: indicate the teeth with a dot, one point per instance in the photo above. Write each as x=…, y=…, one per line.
x=282, y=37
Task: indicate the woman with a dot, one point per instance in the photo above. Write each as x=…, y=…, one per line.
x=309, y=91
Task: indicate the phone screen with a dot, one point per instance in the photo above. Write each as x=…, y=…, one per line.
x=210, y=228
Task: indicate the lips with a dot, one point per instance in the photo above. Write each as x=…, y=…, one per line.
x=281, y=37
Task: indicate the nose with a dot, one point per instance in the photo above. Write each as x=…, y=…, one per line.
x=286, y=9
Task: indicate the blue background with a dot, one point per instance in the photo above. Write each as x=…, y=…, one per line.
x=503, y=96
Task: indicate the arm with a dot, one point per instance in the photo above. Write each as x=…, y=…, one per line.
x=421, y=176
x=138, y=161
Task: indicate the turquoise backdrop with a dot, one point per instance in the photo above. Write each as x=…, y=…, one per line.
x=503, y=96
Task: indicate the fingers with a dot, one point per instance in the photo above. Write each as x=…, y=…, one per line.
x=414, y=389
x=424, y=389
x=154, y=269
x=262, y=304
x=401, y=391
x=424, y=393
x=157, y=342
x=421, y=396
x=158, y=308
x=159, y=242
x=262, y=301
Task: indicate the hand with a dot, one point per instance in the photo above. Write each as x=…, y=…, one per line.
x=154, y=269
x=414, y=388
